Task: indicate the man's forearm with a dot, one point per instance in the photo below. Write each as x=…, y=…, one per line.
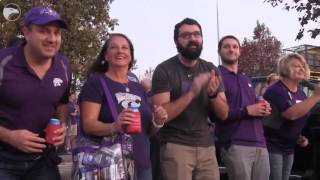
x=220, y=106
x=4, y=134
x=176, y=107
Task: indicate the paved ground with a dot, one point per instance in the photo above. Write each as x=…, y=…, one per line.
x=65, y=167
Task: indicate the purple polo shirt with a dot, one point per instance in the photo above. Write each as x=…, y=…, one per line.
x=283, y=139
x=239, y=128
x=27, y=102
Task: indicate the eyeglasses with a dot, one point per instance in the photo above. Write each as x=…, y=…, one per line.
x=187, y=35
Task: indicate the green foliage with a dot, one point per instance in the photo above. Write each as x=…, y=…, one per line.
x=259, y=56
x=89, y=22
x=310, y=10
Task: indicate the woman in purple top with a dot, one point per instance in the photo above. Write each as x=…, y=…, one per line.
x=113, y=64
x=290, y=110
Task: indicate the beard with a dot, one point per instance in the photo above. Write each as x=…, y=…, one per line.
x=190, y=54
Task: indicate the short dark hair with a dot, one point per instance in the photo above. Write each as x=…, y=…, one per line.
x=227, y=37
x=187, y=21
x=101, y=65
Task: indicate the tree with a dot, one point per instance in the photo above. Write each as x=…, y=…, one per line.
x=259, y=55
x=149, y=73
x=310, y=10
x=89, y=22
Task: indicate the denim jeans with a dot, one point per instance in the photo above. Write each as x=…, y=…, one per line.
x=155, y=157
x=280, y=166
x=145, y=174
x=39, y=169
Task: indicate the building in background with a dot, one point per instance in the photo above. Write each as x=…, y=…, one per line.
x=310, y=53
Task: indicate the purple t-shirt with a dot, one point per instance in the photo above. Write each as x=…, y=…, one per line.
x=239, y=128
x=93, y=91
x=27, y=102
x=284, y=138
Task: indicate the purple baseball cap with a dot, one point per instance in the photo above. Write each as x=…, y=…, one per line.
x=42, y=15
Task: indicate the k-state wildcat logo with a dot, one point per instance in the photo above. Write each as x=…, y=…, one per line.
x=57, y=82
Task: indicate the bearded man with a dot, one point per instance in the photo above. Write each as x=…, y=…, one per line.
x=189, y=88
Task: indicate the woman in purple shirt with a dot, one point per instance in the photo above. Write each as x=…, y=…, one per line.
x=112, y=65
x=290, y=110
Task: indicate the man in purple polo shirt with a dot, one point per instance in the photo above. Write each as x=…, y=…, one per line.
x=243, y=150
x=34, y=87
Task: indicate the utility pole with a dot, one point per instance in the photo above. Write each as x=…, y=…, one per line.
x=218, y=30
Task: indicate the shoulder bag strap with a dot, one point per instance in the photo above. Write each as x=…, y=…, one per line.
x=111, y=104
x=114, y=113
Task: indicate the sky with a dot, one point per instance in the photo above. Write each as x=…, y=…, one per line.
x=150, y=24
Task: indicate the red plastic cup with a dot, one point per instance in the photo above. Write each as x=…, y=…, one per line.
x=53, y=125
x=134, y=127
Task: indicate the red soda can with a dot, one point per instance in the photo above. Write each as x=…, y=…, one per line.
x=134, y=127
x=260, y=100
x=53, y=125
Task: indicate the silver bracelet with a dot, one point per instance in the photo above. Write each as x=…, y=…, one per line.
x=157, y=125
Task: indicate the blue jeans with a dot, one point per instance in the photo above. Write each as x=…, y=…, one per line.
x=39, y=169
x=280, y=166
x=155, y=157
x=145, y=174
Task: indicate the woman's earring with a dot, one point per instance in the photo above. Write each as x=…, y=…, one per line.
x=103, y=62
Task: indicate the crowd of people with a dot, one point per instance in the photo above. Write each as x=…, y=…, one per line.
x=174, y=139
